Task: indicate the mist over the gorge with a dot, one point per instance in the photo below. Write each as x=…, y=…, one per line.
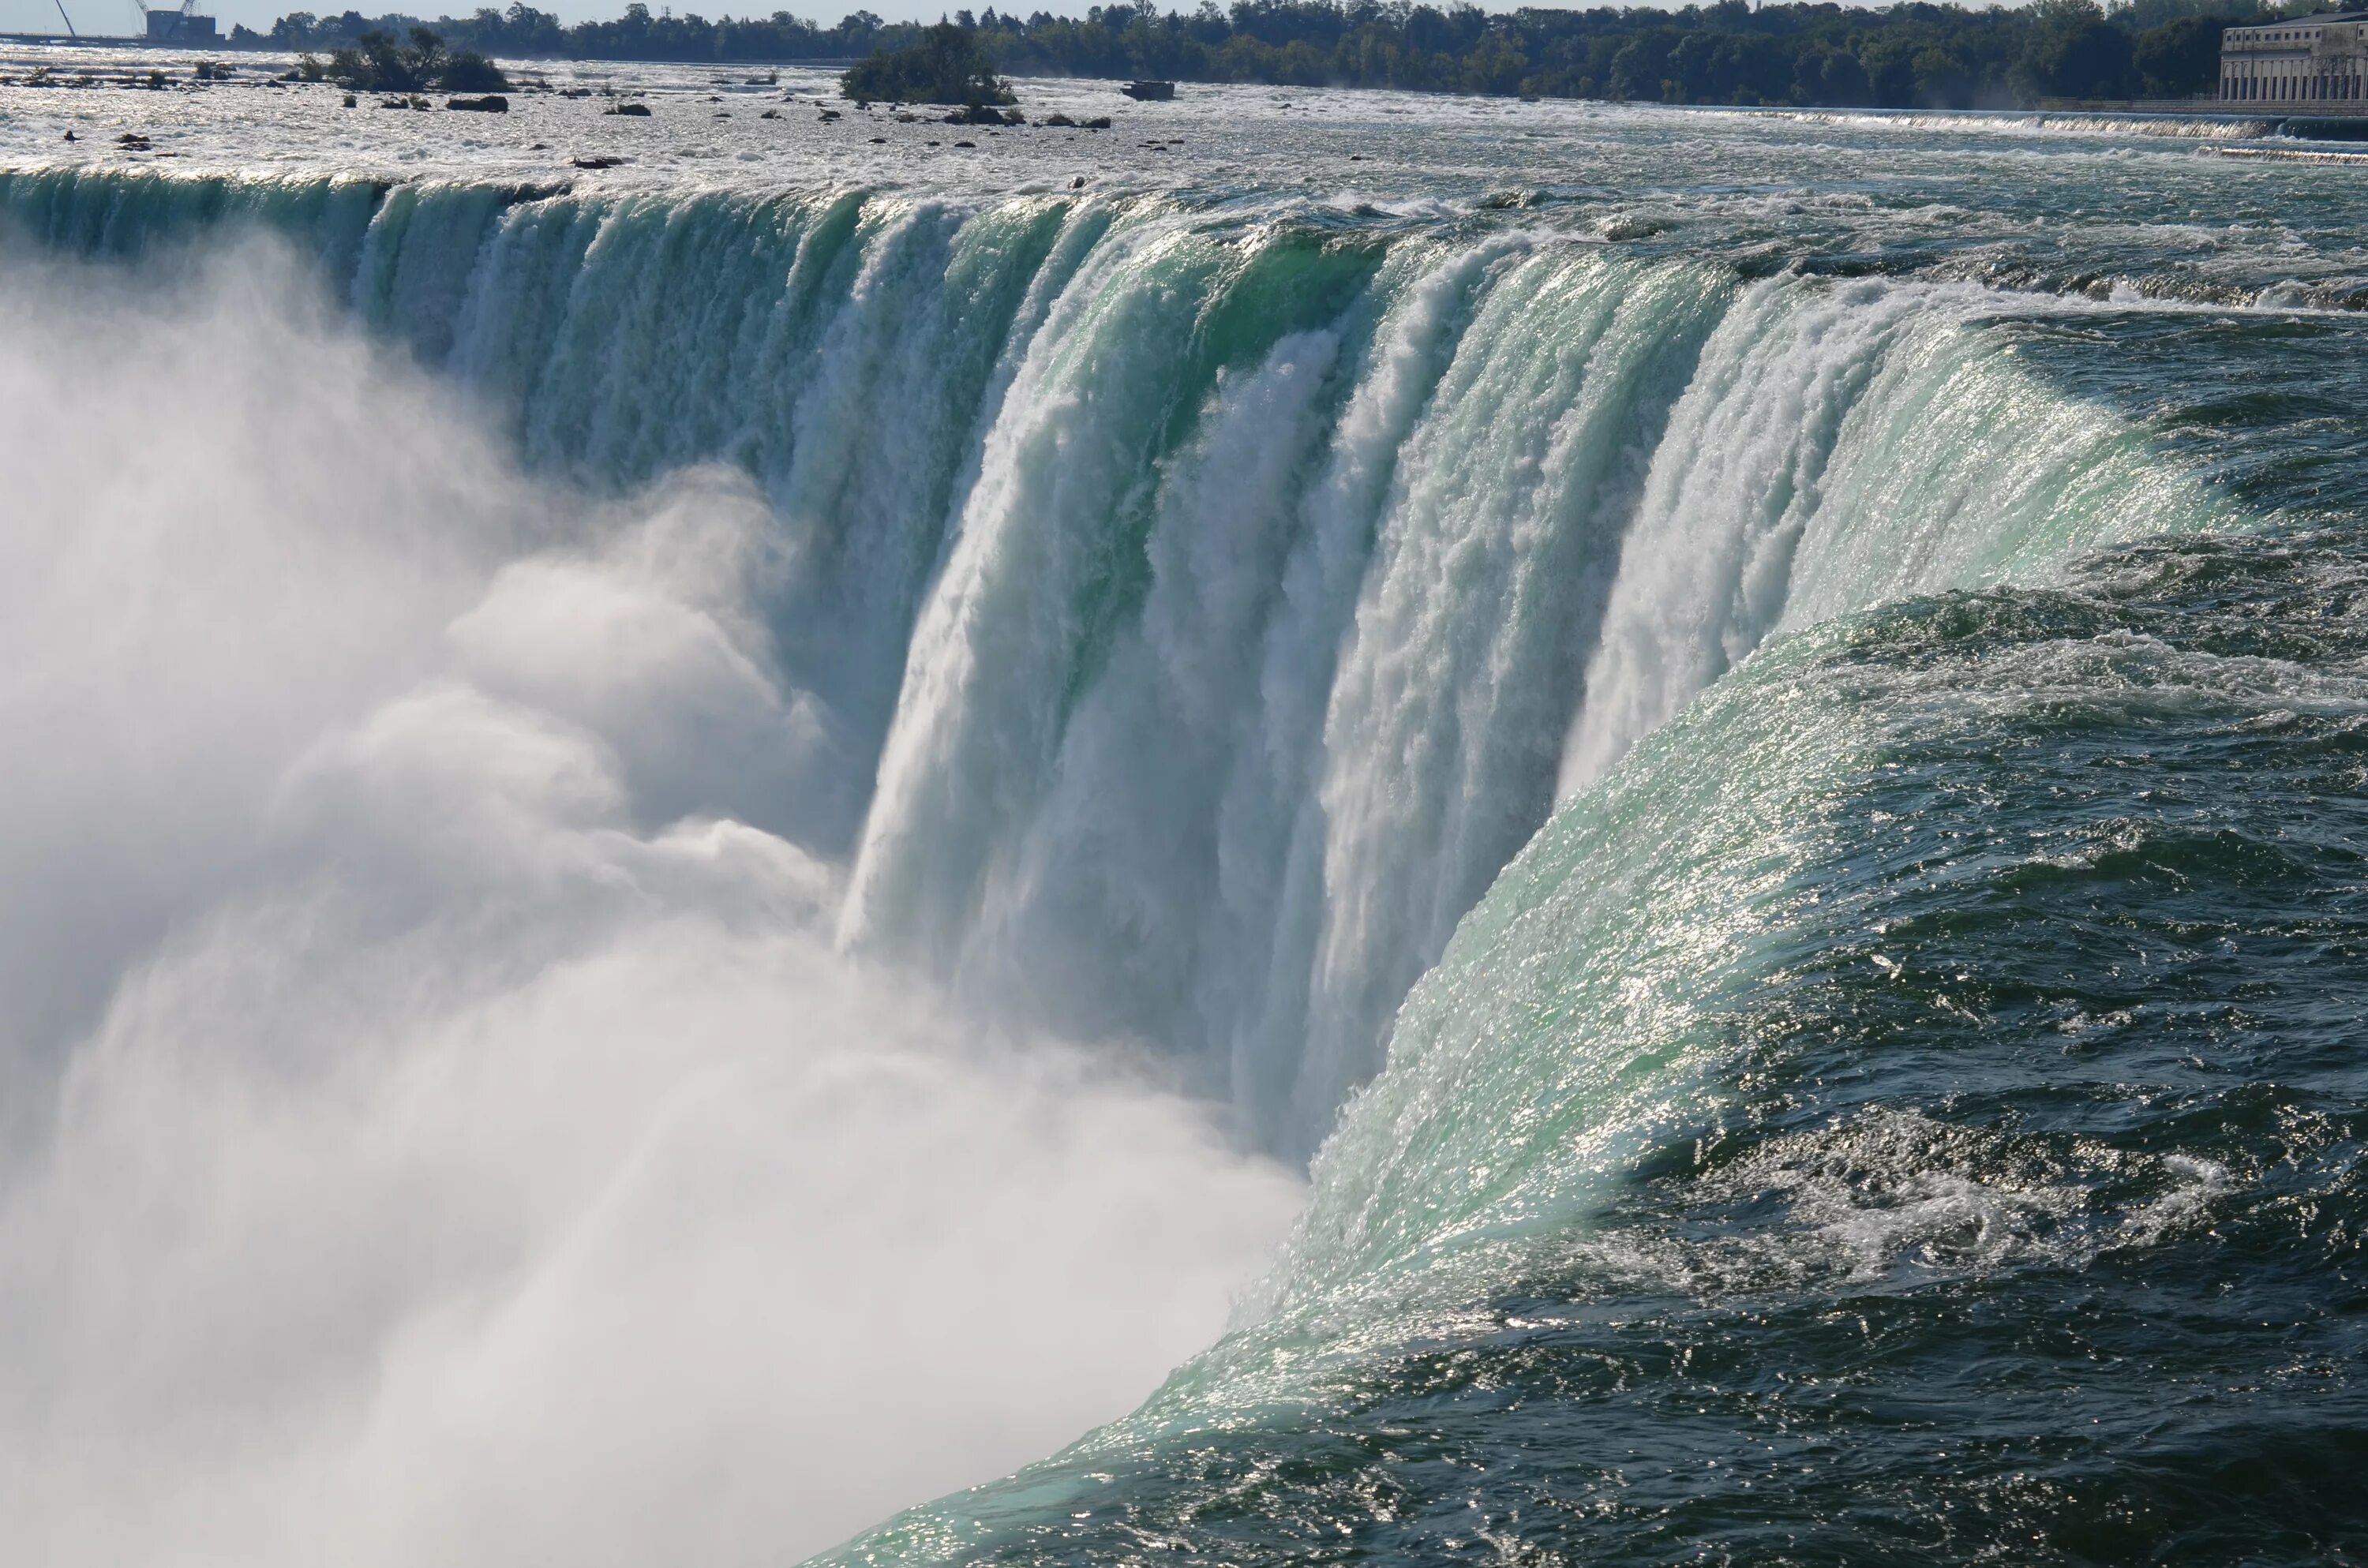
x=440, y=1128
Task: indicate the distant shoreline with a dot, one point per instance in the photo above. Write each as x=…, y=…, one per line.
x=2306, y=126
x=2299, y=127
x=2152, y=56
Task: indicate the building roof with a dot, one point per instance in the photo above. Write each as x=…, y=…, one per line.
x=2320, y=20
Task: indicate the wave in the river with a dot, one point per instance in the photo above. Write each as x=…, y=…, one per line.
x=2183, y=127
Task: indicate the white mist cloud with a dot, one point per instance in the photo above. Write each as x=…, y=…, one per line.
x=438, y=1133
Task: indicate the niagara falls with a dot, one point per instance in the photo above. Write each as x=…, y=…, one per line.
x=1324, y=783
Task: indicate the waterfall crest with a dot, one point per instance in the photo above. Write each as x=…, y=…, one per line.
x=1201, y=609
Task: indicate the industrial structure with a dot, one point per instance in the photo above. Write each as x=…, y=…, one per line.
x=2302, y=63
x=182, y=24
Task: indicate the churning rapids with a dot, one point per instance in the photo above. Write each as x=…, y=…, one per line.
x=1640, y=834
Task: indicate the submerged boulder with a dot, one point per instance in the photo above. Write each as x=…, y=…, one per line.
x=490, y=103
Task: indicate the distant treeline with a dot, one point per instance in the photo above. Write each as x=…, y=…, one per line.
x=1908, y=55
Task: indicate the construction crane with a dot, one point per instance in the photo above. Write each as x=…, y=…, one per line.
x=182, y=24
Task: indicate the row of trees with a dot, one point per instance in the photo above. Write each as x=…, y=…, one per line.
x=1910, y=54
x=524, y=33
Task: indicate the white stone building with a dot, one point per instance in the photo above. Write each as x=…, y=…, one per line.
x=2309, y=63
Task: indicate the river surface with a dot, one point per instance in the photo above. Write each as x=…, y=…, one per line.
x=1706, y=772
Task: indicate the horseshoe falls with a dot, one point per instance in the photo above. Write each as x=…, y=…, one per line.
x=1397, y=829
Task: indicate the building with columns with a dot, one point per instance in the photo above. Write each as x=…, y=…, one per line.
x=2309, y=63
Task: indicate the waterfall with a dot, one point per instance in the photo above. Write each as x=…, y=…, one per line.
x=1201, y=607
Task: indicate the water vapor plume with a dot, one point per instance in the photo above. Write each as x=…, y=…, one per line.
x=438, y=1127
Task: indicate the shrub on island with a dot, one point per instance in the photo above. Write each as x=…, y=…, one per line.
x=947, y=66
x=376, y=63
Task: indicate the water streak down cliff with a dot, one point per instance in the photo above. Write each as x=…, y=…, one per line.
x=1199, y=610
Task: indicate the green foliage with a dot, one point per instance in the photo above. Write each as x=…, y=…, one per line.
x=2077, y=53
x=376, y=63
x=466, y=70
x=1910, y=54
x=2180, y=58
x=947, y=66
